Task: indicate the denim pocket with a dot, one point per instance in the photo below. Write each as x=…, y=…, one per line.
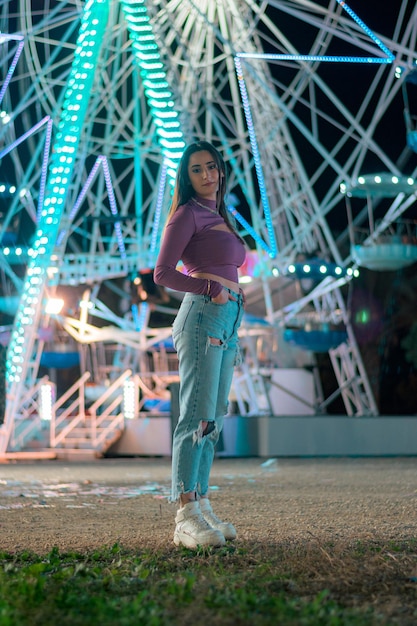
x=218, y=303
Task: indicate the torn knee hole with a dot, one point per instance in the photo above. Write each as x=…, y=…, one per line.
x=208, y=428
x=204, y=429
x=215, y=341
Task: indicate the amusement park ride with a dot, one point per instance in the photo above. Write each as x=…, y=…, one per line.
x=97, y=101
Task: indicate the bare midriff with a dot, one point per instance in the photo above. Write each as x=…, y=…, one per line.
x=230, y=284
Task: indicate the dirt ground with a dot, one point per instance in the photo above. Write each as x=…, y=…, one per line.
x=83, y=506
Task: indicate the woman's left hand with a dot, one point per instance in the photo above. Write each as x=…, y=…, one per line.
x=223, y=297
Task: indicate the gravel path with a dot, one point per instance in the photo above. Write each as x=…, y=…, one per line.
x=83, y=506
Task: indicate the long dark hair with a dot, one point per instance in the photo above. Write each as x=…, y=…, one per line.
x=184, y=191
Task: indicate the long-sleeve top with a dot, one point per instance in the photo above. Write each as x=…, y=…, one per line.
x=192, y=237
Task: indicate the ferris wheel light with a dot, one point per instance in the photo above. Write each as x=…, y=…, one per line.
x=163, y=116
x=172, y=134
x=154, y=93
x=140, y=147
x=383, y=184
x=86, y=304
x=157, y=92
x=316, y=269
x=130, y=399
x=160, y=104
x=51, y=195
x=172, y=145
x=46, y=403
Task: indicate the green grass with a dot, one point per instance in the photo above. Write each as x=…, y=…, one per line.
x=289, y=585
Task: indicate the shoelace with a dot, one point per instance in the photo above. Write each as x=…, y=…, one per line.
x=210, y=516
x=198, y=521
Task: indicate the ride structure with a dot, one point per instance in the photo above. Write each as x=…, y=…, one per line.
x=98, y=100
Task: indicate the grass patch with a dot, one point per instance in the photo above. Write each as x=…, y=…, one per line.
x=290, y=585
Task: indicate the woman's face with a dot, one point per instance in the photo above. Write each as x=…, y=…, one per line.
x=204, y=174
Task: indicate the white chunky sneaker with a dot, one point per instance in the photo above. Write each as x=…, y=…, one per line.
x=192, y=530
x=226, y=528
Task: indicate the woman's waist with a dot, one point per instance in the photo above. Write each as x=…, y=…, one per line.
x=230, y=284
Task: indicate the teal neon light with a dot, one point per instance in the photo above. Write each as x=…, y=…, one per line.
x=158, y=94
x=91, y=34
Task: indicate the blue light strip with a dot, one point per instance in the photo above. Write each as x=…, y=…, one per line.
x=332, y=59
x=23, y=137
x=80, y=199
x=13, y=64
x=140, y=317
x=113, y=206
x=249, y=229
x=368, y=31
x=314, y=57
x=101, y=160
x=272, y=247
x=44, y=172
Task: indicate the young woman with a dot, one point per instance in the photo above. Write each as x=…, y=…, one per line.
x=200, y=232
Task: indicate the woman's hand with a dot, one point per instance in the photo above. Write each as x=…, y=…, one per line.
x=223, y=297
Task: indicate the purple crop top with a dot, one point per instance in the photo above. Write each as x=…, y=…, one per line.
x=191, y=236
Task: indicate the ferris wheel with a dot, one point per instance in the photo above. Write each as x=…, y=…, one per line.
x=97, y=101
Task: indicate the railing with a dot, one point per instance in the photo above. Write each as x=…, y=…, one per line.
x=77, y=406
x=27, y=424
x=97, y=424
x=401, y=231
x=94, y=266
x=106, y=423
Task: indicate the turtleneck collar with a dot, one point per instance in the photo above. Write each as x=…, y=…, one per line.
x=209, y=204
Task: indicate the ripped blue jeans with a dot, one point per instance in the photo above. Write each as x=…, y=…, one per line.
x=205, y=336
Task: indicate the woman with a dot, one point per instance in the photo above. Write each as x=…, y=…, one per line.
x=200, y=232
